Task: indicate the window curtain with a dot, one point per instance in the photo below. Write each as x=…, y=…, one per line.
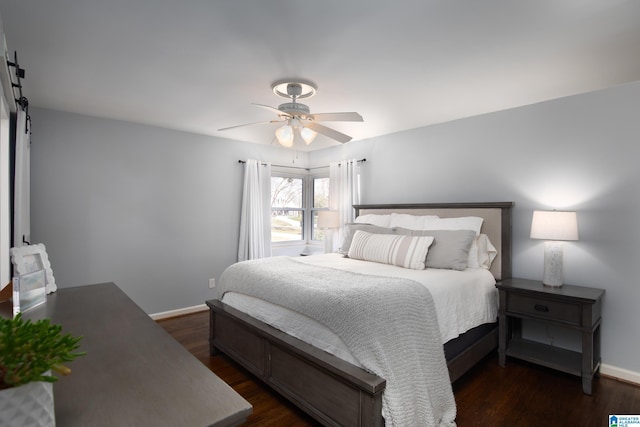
x=344, y=192
x=255, y=217
x=21, y=195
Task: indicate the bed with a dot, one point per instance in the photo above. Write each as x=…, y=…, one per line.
x=331, y=387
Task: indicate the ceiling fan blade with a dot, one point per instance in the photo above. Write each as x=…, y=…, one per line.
x=251, y=124
x=331, y=133
x=272, y=109
x=337, y=117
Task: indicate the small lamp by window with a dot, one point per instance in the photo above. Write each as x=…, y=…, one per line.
x=329, y=221
x=553, y=227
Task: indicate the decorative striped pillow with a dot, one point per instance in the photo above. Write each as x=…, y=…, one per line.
x=400, y=250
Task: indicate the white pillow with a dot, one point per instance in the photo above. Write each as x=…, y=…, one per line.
x=411, y=222
x=462, y=223
x=375, y=219
x=401, y=250
x=482, y=253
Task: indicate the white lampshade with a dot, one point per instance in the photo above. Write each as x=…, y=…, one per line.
x=284, y=135
x=554, y=225
x=328, y=219
x=308, y=135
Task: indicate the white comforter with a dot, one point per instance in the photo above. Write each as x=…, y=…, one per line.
x=389, y=325
x=463, y=299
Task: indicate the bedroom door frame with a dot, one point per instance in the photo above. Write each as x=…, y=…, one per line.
x=5, y=193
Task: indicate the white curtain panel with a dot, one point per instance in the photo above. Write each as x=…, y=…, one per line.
x=344, y=192
x=255, y=217
x=21, y=206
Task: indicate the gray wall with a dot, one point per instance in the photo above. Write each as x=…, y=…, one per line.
x=153, y=210
x=579, y=153
x=156, y=211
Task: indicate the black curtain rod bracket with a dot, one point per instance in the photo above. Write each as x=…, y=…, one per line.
x=20, y=100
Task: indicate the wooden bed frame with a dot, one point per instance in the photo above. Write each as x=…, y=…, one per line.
x=329, y=389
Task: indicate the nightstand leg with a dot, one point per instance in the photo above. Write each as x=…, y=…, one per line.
x=502, y=340
x=587, y=384
x=587, y=361
x=503, y=329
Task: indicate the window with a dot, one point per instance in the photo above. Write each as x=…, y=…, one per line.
x=287, y=209
x=320, y=193
x=296, y=200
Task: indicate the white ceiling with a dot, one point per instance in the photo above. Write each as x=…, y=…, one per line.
x=197, y=65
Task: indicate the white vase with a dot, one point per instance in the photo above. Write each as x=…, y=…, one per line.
x=28, y=405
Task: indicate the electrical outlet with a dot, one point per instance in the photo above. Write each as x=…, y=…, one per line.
x=212, y=283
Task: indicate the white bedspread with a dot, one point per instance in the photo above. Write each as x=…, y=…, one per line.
x=389, y=325
x=463, y=299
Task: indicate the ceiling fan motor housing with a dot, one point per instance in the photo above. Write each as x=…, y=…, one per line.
x=294, y=108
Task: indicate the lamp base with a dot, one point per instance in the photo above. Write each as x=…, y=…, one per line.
x=328, y=241
x=552, y=264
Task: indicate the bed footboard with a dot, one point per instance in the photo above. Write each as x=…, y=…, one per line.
x=329, y=389
x=333, y=391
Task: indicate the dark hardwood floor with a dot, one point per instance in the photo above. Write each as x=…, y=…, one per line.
x=520, y=394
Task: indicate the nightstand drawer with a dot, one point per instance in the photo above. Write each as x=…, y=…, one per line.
x=545, y=309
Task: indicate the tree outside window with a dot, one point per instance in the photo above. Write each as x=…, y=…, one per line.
x=287, y=213
x=295, y=202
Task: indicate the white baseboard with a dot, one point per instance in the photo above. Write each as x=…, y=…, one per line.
x=179, y=312
x=620, y=374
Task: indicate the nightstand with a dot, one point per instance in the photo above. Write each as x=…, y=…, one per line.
x=575, y=307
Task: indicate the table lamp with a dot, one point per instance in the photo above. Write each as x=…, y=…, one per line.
x=553, y=227
x=329, y=221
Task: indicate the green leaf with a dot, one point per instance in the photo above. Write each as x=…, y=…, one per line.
x=29, y=349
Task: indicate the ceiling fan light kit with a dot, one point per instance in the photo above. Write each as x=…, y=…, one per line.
x=308, y=135
x=297, y=118
x=284, y=135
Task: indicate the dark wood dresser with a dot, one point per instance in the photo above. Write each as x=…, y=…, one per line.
x=134, y=373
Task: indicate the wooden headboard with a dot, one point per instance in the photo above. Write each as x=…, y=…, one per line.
x=496, y=225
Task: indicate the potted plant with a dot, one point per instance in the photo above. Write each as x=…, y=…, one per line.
x=29, y=352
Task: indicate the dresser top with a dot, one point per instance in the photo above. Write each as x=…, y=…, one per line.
x=134, y=373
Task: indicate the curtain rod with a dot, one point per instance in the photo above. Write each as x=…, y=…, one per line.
x=297, y=167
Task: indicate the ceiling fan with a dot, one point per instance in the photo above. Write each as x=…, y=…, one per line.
x=298, y=119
